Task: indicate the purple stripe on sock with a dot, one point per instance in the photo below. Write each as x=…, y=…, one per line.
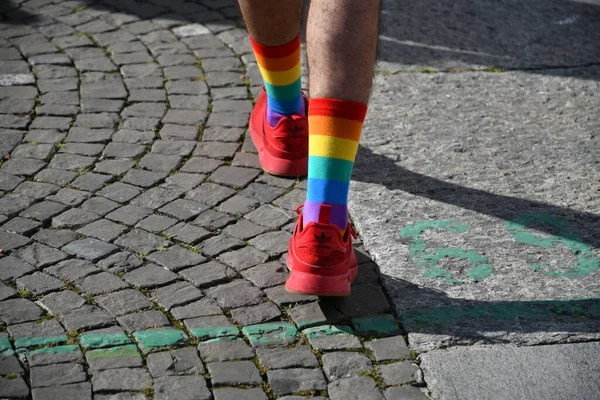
x=273, y=117
x=339, y=214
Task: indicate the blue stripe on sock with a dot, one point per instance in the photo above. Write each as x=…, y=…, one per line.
x=285, y=107
x=326, y=191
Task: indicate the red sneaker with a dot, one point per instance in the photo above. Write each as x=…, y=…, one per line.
x=283, y=149
x=321, y=259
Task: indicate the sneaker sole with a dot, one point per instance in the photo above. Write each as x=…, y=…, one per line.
x=275, y=165
x=305, y=283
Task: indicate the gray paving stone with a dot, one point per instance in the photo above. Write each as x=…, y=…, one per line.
x=12, y=268
x=219, y=244
x=366, y=300
x=103, y=229
x=10, y=365
x=184, y=117
x=208, y=274
x=177, y=294
x=183, y=209
x=292, y=380
x=12, y=240
x=225, y=349
x=86, y=318
x=91, y=181
x=267, y=275
x=92, y=105
x=13, y=388
x=155, y=198
x=257, y=314
x=189, y=102
x=187, y=233
x=84, y=134
x=233, y=393
x=154, y=110
x=119, y=192
x=181, y=387
x=273, y=243
x=71, y=162
x=315, y=313
x=73, y=219
x=123, y=150
x=114, y=167
x=142, y=178
x=156, y=223
x=404, y=392
x=186, y=87
x=9, y=182
x=200, y=308
x=234, y=176
x=354, y=388
x=147, y=95
x=66, y=98
x=238, y=205
x=22, y=226
x=139, y=241
x=140, y=70
x=71, y=197
x=12, y=204
x=6, y=292
x=222, y=150
x=129, y=215
x=39, y=283
x=100, y=283
x=121, y=379
x=72, y=354
x=115, y=357
x=279, y=358
x=150, y=276
x=143, y=320
x=56, y=110
x=36, y=329
x=61, y=303
x=72, y=270
x=55, y=237
x=40, y=255
x=222, y=134
x=36, y=190
x=237, y=293
x=343, y=365
x=182, y=148
x=175, y=362
x=243, y=258
x=84, y=149
x=99, y=205
x=176, y=258
x=392, y=348
x=49, y=375
x=210, y=194
x=16, y=311
x=133, y=136
x=213, y=220
x=234, y=373
x=24, y=166
x=227, y=120
x=398, y=373
x=38, y=151
x=90, y=249
x=120, y=262
x=280, y=296
x=102, y=86
x=56, y=176
x=201, y=165
x=123, y=302
x=179, y=132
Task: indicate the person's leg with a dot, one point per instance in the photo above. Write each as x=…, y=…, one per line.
x=341, y=46
x=278, y=124
x=274, y=28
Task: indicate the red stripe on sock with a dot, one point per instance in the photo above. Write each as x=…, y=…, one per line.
x=276, y=51
x=337, y=108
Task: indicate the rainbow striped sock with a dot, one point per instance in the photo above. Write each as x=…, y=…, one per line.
x=280, y=70
x=334, y=128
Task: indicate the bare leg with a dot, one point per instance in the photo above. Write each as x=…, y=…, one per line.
x=272, y=22
x=342, y=44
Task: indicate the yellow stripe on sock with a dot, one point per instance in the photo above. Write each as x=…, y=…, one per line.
x=281, y=78
x=333, y=147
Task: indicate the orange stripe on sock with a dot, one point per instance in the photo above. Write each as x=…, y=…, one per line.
x=337, y=108
x=333, y=126
x=279, y=64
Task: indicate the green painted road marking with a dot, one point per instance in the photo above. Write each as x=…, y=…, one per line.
x=327, y=330
x=53, y=350
x=378, y=326
x=129, y=350
x=274, y=333
x=418, y=250
x=100, y=340
x=212, y=332
x=25, y=342
x=587, y=260
x=552, y=310
x=153, y=339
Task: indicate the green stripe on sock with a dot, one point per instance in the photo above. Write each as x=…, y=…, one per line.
x=283, y=93
x=332, y=169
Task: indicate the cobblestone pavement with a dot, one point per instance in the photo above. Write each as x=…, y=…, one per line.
x=143, y=247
